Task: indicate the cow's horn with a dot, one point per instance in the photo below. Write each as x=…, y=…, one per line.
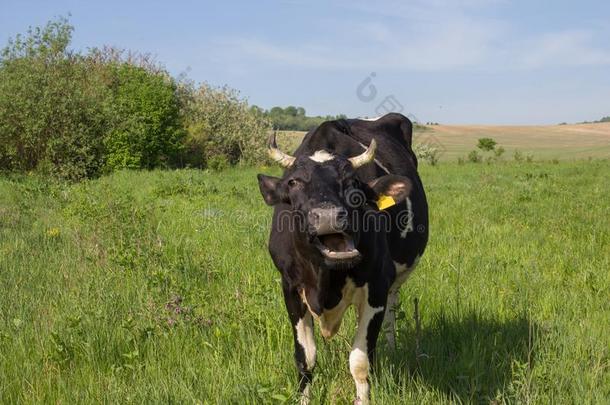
x=366, y=157
x=284, y=159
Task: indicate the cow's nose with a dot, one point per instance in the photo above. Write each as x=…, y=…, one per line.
x=323, y=221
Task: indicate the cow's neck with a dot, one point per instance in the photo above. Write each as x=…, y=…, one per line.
x=317, y=286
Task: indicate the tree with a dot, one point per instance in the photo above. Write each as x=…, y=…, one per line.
x=291, y=111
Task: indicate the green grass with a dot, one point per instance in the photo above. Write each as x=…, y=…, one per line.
x=156, y=287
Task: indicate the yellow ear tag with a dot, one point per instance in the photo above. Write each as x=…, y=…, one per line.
x=385, y=201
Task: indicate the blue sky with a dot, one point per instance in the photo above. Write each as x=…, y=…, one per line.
x=464, y=61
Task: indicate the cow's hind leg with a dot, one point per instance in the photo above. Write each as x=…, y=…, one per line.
x=393, y=304
x=304, y=341
x=370, y=317
x=389, y=320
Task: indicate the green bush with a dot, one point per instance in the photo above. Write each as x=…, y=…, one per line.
x=218, y=162
x=220, y=123
x=75, y=116
x=474, y=157
x=427, y=153
x=52, y=108
x=486, y=144
x=518, y=156
x=499, y=151
x=146, y=128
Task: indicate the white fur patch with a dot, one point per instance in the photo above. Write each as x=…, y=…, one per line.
x=409, y=227
x=305, y=396
x=321, y=156
x=369, y=119
x=306, y=339
x=359, y=367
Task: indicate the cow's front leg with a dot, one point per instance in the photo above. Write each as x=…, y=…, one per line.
x=304, y=341
x=370, y=318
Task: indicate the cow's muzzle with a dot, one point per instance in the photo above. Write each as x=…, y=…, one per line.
x=328, y=230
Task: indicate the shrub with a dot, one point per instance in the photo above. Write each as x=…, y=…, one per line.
x=51, y=106
x=218, y=162
x=75, y=116
x=146, y=128
x=518, y=156
x=474, y=156
x=486, y=144
x=498, y=152
x=427, y=152
x=219, y=122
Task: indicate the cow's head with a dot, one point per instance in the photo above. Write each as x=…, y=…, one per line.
x=324, y=190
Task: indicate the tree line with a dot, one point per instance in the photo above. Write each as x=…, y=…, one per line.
x=293, y=118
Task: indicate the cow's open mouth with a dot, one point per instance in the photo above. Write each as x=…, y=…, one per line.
x=337, y=246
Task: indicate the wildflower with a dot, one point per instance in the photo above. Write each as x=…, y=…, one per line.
x=53, y=232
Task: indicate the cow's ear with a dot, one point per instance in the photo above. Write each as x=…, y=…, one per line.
x=270, y=189
x=391, y=186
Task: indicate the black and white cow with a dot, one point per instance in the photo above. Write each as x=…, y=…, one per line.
x=350, y=223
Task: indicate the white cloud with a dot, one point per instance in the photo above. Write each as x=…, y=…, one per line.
x=419, y=35
x=566, y=48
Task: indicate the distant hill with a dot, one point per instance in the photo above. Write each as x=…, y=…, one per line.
x=569, y=141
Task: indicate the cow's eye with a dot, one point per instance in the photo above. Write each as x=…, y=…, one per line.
x=293, y=183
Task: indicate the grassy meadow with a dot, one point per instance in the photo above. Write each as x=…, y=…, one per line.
x=156, y=287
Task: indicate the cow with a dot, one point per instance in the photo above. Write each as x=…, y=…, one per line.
x=350, y=222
